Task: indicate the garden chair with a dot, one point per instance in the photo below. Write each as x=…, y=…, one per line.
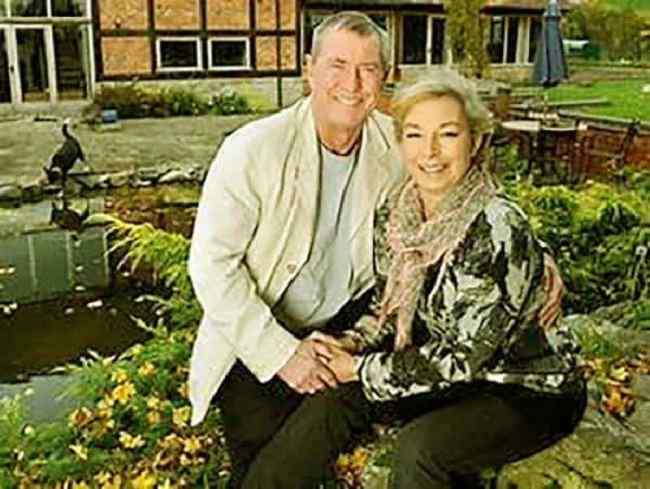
x=555, y=152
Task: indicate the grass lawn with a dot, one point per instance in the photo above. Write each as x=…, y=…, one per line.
x=625, y=97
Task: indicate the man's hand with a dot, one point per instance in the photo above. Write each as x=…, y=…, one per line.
x=307, y=372
x=342, y=364
x=554, y=289
x=344, y=343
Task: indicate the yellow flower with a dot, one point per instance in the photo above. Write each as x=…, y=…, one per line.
x=124, y=392
x=181, y=416
x=80, y=451
x=144, y=481
x=165, y=485
x=119, y=375
x=146, y=369
x=128, y=441
x=192, y=445
x=107, y=361
x=153, y=402
x=136, y=349
x=80, y=485
x=103, y=477
x=153, y=417
x=185, y=460
x=183, y=390
x=106, y=403
x=116, y=483
x=170, y=441
x=80, y=417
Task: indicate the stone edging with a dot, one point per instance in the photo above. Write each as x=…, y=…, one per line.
x=13, y=194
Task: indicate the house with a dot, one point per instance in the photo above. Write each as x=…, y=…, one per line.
x=54, y=50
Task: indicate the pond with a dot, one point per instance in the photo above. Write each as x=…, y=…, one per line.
x=59, y=298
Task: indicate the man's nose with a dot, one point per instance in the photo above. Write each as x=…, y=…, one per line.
x=352, y=79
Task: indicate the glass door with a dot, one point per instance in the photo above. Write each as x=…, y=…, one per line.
x=5, y=85
x=35, y=66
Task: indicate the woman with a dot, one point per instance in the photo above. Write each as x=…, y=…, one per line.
x=468, y=366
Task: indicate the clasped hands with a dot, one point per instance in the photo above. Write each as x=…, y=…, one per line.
x=320, y=362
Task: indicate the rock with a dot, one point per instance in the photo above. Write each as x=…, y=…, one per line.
x=33, y=192
x=10, y=193
x=120, y=179
x=175, y=176
x=149, y=174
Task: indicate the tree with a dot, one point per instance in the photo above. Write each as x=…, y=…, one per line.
x=467, y=28
x=615, y=28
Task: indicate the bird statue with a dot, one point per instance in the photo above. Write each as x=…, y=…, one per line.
x=65, y=157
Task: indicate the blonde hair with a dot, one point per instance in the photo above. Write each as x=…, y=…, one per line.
x=436, y=84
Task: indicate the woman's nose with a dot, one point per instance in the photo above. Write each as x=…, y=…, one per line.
x=433, y=145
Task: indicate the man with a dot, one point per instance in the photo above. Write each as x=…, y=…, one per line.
x=282, y=246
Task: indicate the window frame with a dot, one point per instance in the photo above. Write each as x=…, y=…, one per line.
x=172, y=69
x=48, y=12
x=522, y=50
x=247, y=44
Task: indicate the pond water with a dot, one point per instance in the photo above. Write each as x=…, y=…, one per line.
x=59, y=298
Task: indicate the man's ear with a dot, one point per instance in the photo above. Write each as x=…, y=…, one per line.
x=387, y=72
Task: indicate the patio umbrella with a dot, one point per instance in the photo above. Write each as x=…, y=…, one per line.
x=550, y=66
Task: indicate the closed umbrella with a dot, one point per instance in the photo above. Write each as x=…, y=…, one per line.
x=550, y=65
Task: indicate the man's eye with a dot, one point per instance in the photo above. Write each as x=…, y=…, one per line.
x=412, y=135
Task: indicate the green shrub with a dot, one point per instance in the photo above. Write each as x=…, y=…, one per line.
x=597, y=233
x=229, y=102
x=132, y=101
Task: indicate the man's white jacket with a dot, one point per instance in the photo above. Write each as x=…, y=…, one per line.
x=253, y=232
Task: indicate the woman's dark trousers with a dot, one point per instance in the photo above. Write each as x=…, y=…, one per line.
x=448, y=442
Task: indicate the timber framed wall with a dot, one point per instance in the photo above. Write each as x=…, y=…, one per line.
x=194, y=39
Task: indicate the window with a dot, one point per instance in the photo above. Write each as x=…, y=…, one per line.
x=311, y=22
x=229, y=54
x=414, y=44
x=179, y=54
x=513, y=39
x=68, y=8
x=535, y=30
x=437, y=40
x=28, y=8
x=495, y=46
x=513, y=36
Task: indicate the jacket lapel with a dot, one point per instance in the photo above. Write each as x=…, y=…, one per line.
x=307, y=171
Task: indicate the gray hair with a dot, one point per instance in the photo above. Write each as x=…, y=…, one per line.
x=436, y=84
x=356, y=22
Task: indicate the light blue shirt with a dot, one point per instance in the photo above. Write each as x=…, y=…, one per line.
x=322, y=285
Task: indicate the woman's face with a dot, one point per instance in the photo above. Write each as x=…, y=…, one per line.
x=436, y=144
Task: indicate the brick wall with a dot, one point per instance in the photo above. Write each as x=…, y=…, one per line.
x=266, y=53
x=177, y=14
x=123, y=14
x=265, y=14
x=228, y=14
x=126, y=55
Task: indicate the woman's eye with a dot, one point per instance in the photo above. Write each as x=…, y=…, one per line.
x=412, y=135
x=449, y=134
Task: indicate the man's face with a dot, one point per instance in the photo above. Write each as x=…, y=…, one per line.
x=345, y=80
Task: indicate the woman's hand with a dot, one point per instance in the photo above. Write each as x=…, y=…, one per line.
x=343, y=366
x=344, y=343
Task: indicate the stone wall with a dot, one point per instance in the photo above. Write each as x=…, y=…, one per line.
x=265, y=18
x=220, y=14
